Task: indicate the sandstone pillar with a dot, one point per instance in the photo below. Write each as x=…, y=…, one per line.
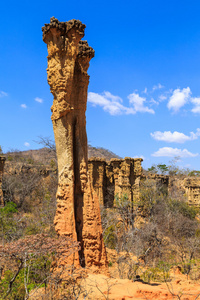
x=127, y=173
x=2, y=162
x=96, y=168
x=78, y=213
x=118, y=177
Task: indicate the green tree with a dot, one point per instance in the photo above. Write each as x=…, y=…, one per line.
x=162, y=168
x=153, y=169
x=8, y=224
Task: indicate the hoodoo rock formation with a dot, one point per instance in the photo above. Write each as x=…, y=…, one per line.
x=78, y=211
x=115, y=178
x=192, y=190
x=2, y=162
x=189, y=187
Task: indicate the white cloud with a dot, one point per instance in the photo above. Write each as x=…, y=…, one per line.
x=162, y=97
x=39, y=100
x=175, y=137
x=3, y=94
x=145, y=91
x=172, y=152
x=26, y=144
x=113, y=104
x=196, y=102
x=157, y=87
x=23, y=105
x=138, y=103
x=154, y=102
x=178, y=99
x=112, y=97
x=110, y=103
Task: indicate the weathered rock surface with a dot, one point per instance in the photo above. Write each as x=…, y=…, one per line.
x=78, y=212
x=188, y=187
x=160, y=180
x=183, y=188
x=117, y=177
x=192, y=190
x=2, y=162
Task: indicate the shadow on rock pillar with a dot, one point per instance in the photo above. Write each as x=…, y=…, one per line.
x=78, y=212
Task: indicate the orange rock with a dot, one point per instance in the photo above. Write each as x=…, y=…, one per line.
x=78, y=213
x=117, y=177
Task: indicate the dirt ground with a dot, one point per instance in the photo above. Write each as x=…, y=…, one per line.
x=99, y=286
x=103, y=287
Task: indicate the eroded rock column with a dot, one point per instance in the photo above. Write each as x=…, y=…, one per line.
x=78, y=213
x=96, y=169
x=2, y=162
x=127, y=173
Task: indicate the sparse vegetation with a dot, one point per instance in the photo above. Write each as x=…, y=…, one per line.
x=150, y=236
x=160, y=231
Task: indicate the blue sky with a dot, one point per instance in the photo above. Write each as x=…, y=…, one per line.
x=144, y=91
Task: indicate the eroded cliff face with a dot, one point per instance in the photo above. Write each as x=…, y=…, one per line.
x=78, y=212
x=192, y=190
x=2, y=162
x=117, y=177
x=182, y=188
x=188, y=188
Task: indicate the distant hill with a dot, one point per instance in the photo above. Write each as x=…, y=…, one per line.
x=45, y=155
x=101, y=152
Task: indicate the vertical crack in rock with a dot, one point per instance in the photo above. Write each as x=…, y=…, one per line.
x=117, y=177
x=2, y=162
x=78, y=212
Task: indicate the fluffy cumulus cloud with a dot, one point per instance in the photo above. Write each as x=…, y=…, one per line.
x=114, y=104
x=196, y=102
x=138, y=103
x=175, y=137
x=178, y=99
x=173, y=152
x=39, y=100
x=3, y=94
x=110, y=103
x=23, y=106
x=26, y=144
x=181, y=97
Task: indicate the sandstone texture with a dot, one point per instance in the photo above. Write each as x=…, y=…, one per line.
x=78, y=212
x=184, y=188
x=2, y=162
x=188, y=187
x=118, y=177
x=192, y=190
x=161, y=181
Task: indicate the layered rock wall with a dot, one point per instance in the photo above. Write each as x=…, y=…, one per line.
x=188, y=188
x=115, y=178
x=182, y=188
x=2, y=162
x=162, y=182
x=192, y=190
x=78, y=212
